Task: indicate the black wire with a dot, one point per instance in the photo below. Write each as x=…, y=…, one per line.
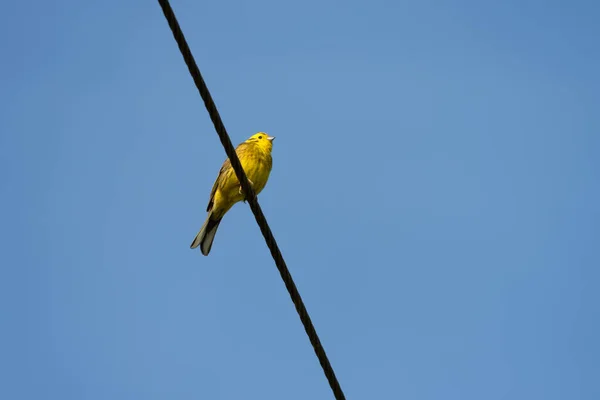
x=251, y=198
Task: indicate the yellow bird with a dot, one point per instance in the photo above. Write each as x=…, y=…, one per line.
x=255, y=156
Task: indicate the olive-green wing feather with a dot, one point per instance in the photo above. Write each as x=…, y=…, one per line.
x=223, y=172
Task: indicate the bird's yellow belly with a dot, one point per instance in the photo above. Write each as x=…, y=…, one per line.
x=257, y=171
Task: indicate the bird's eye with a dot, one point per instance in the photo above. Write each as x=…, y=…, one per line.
x=260, y=137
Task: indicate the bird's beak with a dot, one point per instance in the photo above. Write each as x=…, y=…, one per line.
x=270, y=138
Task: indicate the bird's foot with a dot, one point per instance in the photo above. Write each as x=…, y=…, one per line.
x=242, y=192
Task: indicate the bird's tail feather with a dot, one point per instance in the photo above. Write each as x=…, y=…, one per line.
x=205, y=237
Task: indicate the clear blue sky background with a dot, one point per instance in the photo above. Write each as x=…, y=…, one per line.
x=435, y=193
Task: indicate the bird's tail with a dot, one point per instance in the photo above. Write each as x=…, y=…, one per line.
x=205, y=237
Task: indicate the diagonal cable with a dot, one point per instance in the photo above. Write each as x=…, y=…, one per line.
x=251, y=198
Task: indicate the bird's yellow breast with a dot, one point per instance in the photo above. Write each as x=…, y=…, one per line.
x=257, y=164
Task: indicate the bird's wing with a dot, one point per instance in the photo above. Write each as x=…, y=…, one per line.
x=225, y=170
x=220, y=178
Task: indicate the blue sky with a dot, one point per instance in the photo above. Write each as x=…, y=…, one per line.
x=434, y=193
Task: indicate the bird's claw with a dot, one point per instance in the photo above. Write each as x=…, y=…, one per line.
x=242, y=192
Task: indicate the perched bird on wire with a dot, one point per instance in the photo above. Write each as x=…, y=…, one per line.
x=255, y=156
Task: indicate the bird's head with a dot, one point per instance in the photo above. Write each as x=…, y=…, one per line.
x=263, y=140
